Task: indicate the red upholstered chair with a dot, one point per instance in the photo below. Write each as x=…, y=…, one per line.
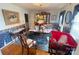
x=55, y=45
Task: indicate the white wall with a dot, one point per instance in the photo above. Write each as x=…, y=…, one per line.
x=54, y=15
x=11, y=7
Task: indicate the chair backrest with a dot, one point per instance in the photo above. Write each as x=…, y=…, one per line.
x=57, y=34
x=23, y=40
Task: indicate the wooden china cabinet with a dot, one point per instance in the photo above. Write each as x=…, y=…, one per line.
x=44, y=16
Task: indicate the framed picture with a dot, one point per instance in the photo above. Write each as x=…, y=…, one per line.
x=10, y=17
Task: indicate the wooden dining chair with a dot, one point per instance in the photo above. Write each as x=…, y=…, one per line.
x=27, y=43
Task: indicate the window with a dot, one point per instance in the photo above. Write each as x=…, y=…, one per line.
x=61, y=18
x=75, y=23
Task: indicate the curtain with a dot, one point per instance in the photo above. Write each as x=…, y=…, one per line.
x=75, y=23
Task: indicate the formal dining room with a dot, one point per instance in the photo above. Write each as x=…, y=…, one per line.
x=39, y=29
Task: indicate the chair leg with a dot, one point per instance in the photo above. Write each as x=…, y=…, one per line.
x=51, y=52
x=35, y=48
x=48, y=50
x=28, y=51
x=22, y=50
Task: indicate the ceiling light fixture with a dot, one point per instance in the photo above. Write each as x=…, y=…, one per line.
x=41, y=4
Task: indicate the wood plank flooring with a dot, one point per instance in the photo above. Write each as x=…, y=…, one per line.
x=15, y=49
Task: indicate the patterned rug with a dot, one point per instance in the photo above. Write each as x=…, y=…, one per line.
x=41, y=39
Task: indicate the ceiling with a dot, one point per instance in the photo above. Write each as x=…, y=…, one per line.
x=41, y=6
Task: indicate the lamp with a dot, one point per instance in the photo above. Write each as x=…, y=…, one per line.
x=41, y=4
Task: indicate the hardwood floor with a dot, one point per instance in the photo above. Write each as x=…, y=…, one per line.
x=15, y=49
x=41, y=52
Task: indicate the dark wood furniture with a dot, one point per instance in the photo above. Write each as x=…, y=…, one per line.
x=43, y=16
x=27, y=43
x=60, y=49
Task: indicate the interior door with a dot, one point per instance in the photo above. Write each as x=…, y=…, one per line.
x=26, y=21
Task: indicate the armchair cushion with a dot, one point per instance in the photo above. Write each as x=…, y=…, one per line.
x=30, y=42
